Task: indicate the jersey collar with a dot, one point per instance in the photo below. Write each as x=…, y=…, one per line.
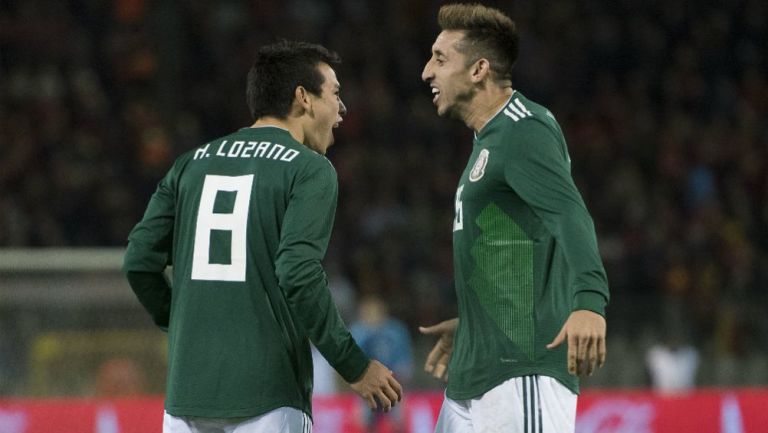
x=485, y=127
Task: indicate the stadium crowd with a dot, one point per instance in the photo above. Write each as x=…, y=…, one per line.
x=664, y=105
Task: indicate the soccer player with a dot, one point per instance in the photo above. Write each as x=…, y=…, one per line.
x=528, y=273
x=245, y=221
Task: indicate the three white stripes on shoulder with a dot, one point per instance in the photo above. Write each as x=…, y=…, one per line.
x=516, y=110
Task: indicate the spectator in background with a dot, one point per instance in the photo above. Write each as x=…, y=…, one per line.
x=385, y=338
x=672, y=364
x=120, y=377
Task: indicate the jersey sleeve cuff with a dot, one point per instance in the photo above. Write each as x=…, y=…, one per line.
x=352, y=368
x=589, y=300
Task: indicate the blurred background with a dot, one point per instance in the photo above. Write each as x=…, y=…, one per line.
x=664, y=105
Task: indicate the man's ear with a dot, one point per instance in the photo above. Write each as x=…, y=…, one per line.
x=480, y=70
x=302, y=100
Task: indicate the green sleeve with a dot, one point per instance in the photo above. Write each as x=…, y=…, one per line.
x=304, y=239
x=539, y=171
x=149, y=252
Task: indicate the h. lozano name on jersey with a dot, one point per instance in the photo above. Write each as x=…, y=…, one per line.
x=247, y=149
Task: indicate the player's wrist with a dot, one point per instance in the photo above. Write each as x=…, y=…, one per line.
x=591, y=301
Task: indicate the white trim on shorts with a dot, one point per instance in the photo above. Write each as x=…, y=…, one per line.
x=532, y=419
x=306, y=423
x=280, y=420
x=526, y=404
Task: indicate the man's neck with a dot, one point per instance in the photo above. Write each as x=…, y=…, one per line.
x=293, y=128
x=486, y=105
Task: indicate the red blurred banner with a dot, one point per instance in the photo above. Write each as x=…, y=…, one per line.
x=705, y=411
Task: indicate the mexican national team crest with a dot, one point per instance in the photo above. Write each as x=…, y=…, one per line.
x=478, y=170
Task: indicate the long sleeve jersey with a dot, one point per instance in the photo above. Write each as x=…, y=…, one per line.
x=245, y=221
x=525, y=253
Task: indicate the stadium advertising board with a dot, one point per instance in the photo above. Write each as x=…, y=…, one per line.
x=705, y=411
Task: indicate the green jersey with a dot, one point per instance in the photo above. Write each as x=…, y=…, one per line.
x=525, y=253
x=245, y=221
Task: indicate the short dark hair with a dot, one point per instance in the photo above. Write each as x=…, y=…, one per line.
x=281, y=67
x=489, y=34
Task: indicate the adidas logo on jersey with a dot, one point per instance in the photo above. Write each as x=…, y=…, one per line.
x=516, y=110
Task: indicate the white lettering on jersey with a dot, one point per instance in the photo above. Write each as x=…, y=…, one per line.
x=263, y=146
x=279, y=148
x=236, y=148
x=202, y=152
x=458, y=223
x=289, y=155
x=250, y=149
x=221, y=146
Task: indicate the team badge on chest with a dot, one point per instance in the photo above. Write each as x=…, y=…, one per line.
x=478, y=170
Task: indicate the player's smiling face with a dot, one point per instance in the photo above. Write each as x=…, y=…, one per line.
x=327, y=112
x=448, y=74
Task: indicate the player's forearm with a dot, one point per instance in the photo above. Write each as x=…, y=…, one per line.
x=143, y=266
x=305, y=286
x=154, y=293
x=590, y=283
x=335, y=343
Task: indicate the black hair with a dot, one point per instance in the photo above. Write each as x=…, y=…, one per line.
x=279, y=69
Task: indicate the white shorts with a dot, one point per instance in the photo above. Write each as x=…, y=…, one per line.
x=528, y=404
x=280, y=420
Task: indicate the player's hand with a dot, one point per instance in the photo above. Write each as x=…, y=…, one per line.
x=437, y=360
x=585, y=333
x=378, y=384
